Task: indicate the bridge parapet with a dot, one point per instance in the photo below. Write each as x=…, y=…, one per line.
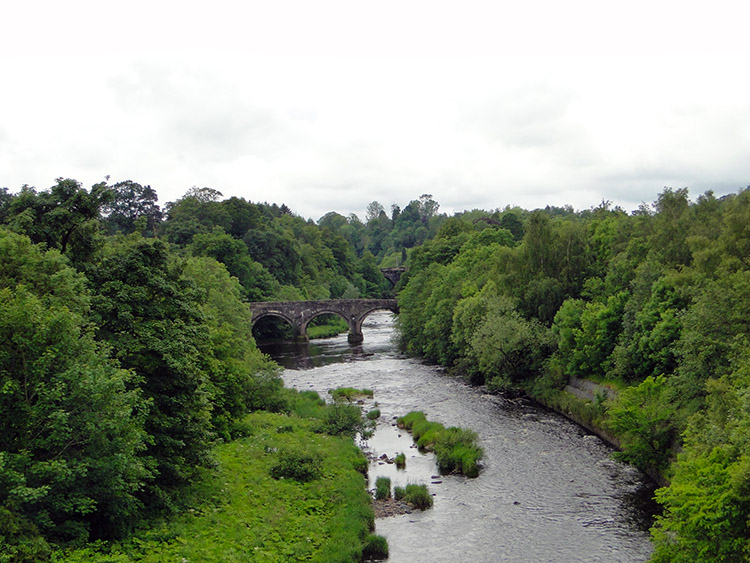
x=300, y=313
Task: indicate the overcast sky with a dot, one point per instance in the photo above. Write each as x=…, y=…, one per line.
x=328, y=105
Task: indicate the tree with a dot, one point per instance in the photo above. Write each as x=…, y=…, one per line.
x=62, y=217
x=129, y=202
x=71, y=421
x=507, y=348
x=672, y=228
x=278, y=251
x=707, y=504
x=644, y=419
x=151, y=317
x=241, y=377
x=198, y=211
x=374, y=209
x=257, y=283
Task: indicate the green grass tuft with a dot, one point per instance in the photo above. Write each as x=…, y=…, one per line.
x=416, y=495
x=401, y=461
x=376, y=547
x=349, y=393
x=382, y=488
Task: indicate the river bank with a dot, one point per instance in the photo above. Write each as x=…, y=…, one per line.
x=548, y=490
x=585, y=403
x=285, y=491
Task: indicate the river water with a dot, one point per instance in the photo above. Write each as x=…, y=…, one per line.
x=548, y=491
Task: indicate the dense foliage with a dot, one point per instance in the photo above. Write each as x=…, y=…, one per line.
x=284, y=492
x=655, y=303
x=124, y=358
x=126, y=353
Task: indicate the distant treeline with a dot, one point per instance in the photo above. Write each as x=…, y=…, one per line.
x=655, y=304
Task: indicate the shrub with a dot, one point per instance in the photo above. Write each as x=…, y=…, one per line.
x=342, y=420
x=295, y=465
x=382, y=488
x=373, y=414
x=376, y=547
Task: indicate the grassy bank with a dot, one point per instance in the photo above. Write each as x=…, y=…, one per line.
x=284, y=492
x=331, y=326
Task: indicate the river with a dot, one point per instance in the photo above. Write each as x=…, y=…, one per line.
x=548, y=490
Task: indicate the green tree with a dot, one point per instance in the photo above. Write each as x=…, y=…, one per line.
x=707, y=504
x=71, y=421
x=63, y=217
x=644, y=419
x=128, y=203
x=507, y=348
x=240, y=376
x=257, y=283
x=151, y=317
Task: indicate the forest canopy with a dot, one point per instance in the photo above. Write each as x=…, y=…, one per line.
x=126, y=349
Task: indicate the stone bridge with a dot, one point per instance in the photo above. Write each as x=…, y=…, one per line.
x=300, y=313
x=393, y=274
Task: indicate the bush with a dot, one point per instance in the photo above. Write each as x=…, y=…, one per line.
x=373, y=414
x=382, y=488
x=295, y=465
x=376, y=547
x=342, y=420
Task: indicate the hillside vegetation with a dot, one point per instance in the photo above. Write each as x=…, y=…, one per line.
x=655, y=304
x=128, y=367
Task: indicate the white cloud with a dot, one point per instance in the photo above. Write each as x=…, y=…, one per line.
x=329, y=105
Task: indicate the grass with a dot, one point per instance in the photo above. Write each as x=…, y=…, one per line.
x=401, y=461
x=382, y=488
x=455, y=448
x=248, y=515
x=374, y=414
x=349, y=393
x=376, y=547
x=416, y=495
x=333, y=326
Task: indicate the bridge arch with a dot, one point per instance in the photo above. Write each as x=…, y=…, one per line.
x=300, y=313
x=292, y=324
x=316, y=314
